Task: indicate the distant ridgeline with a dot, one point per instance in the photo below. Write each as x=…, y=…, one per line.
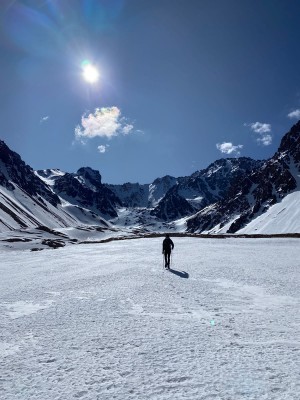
x=226, y=197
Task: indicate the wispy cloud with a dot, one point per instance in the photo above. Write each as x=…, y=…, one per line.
x=265, y=139
x=44, y=119
x=127, y=129
x=263, y=130
x=229, y=148
x=104, y=122
x=259, y=127
x=102, y=148
x=294, y=114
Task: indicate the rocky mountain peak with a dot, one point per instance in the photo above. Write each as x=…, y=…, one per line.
x=14, y=171
x=228, y=166
x=172, y=206
x=86, y=190
x=253, y=194
x=90, y=174
x=49, y=172
x=226, y=196
x=89, y=178
x=290, y=144
x=165, y=180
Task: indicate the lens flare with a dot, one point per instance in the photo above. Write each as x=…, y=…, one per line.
x=89, y=72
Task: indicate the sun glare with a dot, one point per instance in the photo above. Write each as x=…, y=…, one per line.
x=90, y=73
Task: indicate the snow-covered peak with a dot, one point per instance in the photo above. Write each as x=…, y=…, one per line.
x=225, y=166
x=159, y=188
x=89, y=177
x=49, y=175
x=231, y=192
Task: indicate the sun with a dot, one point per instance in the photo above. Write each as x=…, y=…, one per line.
x=89, y=72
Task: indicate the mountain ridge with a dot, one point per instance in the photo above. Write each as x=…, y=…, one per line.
x=254, y=194
x=222, y=198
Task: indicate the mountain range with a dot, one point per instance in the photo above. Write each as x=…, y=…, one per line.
x=232, y=195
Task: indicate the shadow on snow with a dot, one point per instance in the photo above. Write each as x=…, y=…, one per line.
x=181, y=274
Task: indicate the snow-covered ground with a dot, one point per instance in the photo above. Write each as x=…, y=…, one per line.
x=105, y=321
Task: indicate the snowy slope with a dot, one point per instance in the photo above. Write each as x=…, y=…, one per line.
x=282, y=217
x=22, y=210
x=230, y=196
x=250, y=197
x=49, y=176
x=19, y=210
x=27, y=202
x=107, y=322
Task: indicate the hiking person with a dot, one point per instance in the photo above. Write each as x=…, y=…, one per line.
x=168, y=246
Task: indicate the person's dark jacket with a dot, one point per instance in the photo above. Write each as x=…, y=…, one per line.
x=168, y=245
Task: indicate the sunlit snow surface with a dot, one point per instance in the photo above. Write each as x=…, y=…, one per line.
x=105, y=321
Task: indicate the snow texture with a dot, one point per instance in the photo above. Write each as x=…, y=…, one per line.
x=283, y=217
x=107, y=321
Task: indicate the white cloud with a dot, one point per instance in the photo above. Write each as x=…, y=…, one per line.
x=259, y=127
x=263, y=130
x=229, y=148
x=127, y=129
x=265, y=140
x=102, y=148
x=294, y=114
x=44, y=119
x=104, y=122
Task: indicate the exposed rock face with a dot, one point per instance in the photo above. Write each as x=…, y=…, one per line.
x=172, y=206
x=289, y=148
x=131, y=194
x=227, y=195
x=213, y=183
x=159, y=188
x=252, y=195
x=137, y=195
x=86, y=190
x=200, y=189
x=193, y=193
x=14, y=171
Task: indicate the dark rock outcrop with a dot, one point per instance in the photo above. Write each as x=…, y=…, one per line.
x=14, y=171
x=172, y=206
x=85, y=189
x=252, y=195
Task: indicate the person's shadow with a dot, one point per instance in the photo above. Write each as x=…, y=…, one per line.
x=181, y=274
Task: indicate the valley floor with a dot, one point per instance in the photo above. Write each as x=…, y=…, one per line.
x=106, y=321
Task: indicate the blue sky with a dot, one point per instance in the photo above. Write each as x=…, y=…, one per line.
x=181, y=83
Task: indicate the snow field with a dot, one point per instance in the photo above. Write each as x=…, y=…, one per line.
x=105, y=321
